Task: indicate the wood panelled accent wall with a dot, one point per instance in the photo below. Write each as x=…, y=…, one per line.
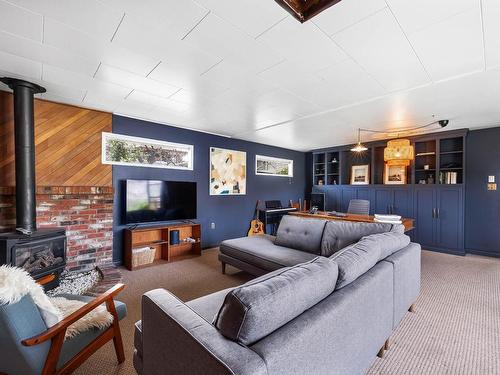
x=68, y=144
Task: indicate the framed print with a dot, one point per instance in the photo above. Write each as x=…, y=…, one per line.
x=228, y=172
x=270, y=166
x=360, y=174
x=395, y=174
x=126, y=150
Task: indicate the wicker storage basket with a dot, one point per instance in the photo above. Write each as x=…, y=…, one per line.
x=142, y=256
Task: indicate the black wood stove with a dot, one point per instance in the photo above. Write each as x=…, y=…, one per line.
x=41, y=252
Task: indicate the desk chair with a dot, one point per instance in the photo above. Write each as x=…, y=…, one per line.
x=359, y=207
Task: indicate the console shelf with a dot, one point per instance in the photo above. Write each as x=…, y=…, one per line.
x=158, y=237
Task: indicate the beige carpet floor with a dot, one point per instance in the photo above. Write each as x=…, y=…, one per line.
x=455, y=329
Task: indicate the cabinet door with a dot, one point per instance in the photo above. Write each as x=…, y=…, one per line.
x=450, y=218
x=383, y=200
x=403, y=202
x=424, y=205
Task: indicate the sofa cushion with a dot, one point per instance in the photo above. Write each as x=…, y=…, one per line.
x=300, y=234
x=208, y=306
x=339, y=234
x=261, y=306
x=356, y=259
x=261, y=251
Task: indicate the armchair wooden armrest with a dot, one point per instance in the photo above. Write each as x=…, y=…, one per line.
x=57, y=333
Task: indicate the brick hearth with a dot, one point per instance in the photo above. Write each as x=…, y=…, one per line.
x=86, y=213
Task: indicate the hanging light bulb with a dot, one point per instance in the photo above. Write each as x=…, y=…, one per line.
x=359, y=147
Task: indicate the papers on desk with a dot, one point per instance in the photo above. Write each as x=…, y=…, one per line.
x=388, y=219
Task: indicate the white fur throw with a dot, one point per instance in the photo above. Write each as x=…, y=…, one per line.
x=98, y=318
x=15, y=283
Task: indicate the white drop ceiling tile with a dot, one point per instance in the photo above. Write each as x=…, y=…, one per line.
x=346, y=13
x=303, y=43
x=255, y=57
x=273, y=116
x=102, y=102
x=49, y=96
x=118, y=76
x=67, y=78
x=416, y=15
x=36, y=51
x=341, y=84
x=290, y=76
x=141, y=37
x=69, y=39
x=253, y=17
x=64, y=91
x=20, y=66
x=178, y=17
x=91, y=16
x=134, y=109
x=156, y=101
x=283, y=99
x=451, y=47
x=194, y=87
x=380, y=47
x=21, y=22
x=219, y=38
x=233, y=76
x=491, y=15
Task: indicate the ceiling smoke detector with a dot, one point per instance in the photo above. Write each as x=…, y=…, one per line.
x=304, y=10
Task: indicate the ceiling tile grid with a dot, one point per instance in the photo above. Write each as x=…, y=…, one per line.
x=248, y=69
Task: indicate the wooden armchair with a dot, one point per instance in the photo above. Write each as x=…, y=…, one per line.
x=47, y=352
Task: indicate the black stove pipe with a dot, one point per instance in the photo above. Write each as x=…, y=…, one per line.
x=24, y=131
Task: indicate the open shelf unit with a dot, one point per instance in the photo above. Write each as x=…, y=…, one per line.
x=439, y=159
x=158, y=238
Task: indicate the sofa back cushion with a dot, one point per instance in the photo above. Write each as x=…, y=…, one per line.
x=339, y=234
x=300, y=233
x=356, y=259
x=261, y=306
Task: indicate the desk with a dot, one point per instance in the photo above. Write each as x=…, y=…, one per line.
x=408, y=223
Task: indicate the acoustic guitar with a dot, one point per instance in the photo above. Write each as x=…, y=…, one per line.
x=256, y=226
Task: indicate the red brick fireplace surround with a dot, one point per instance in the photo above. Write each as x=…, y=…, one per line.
x=86, y=212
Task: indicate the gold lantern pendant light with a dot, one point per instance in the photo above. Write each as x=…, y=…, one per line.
x=398, y=152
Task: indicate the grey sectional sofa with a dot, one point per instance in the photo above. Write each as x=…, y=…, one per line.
x=297, y=240
x=328, y=313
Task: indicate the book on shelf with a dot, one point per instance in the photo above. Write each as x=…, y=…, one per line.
x=448, y=177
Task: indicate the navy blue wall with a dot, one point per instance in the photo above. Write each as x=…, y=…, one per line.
x=482, y=207
x=231, y=214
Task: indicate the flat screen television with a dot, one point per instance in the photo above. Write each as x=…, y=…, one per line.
x=148, y=201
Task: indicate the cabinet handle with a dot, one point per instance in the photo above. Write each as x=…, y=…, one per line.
x=433, y=213
x=437, y=214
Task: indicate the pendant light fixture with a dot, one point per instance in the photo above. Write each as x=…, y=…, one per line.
x=359, y=147
x=398, y=152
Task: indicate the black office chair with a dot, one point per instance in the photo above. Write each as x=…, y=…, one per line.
x=359, y=207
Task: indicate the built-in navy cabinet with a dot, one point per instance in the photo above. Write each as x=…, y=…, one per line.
x=433, y=194
x=439, y=215
x=438, y=210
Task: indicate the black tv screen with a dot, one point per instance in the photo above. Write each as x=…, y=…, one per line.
x=150, y=200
